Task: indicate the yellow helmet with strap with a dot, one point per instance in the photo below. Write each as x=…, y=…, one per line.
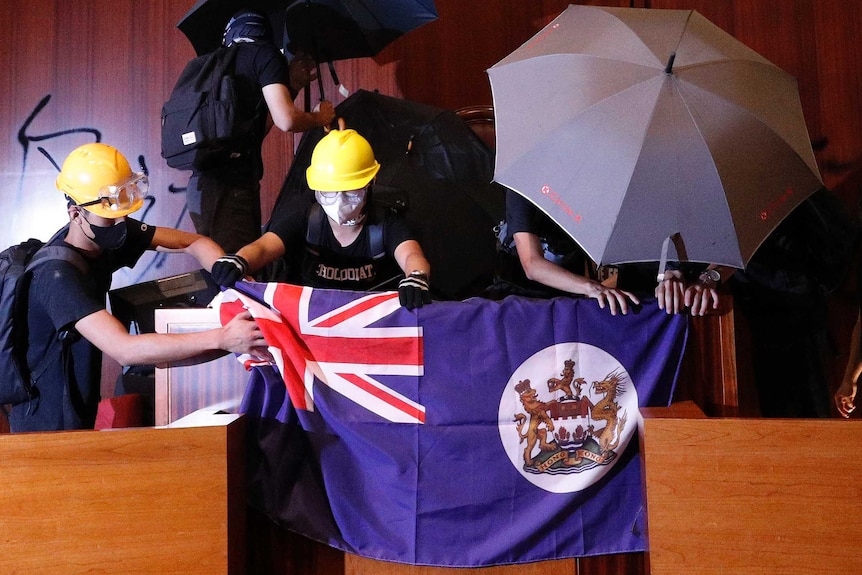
x=342, y=160
x=98, y=178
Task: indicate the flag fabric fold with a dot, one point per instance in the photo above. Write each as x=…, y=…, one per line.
x=460, y=434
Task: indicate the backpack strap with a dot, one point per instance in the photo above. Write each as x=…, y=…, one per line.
x=316, y=218
x=375, y=240
x=64, y=338
x=225, y=64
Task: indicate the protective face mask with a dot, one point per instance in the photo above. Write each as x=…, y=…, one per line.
x=341, y=210
x=109, y=237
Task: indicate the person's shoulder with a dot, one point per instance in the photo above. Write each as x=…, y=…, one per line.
x=260, y=53
x=140, y=233
x=60, y=273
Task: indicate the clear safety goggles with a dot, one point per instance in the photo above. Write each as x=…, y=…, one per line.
x=352, y=197
x=122, y=196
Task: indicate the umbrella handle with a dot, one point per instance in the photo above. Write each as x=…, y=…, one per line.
x=342, y=89
x=662, y=264
x=319, y=82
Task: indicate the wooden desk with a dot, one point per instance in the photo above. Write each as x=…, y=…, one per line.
x=137, y=500
x=751, y=496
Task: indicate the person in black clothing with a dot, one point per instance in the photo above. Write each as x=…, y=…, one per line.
x=224, y=200
x=538, y=259
x=102, y=191
x=784, y=295
x=341, y=240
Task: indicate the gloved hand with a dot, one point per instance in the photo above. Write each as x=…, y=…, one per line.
x=413, y=290
x=229, y=269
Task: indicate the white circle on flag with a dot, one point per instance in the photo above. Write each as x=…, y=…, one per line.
x=566, y=415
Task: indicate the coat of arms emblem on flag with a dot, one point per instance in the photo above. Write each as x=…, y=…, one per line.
x=566, y=424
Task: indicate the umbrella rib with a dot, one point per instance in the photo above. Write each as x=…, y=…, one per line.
x=679, y=40
x=764, y=65
x=742, y=109
x=367, y=10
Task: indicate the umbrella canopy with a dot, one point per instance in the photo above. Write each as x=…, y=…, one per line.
x=435, y=169
x=325, y=30
x=204, y=23
x=341, y=29
x=630, y=126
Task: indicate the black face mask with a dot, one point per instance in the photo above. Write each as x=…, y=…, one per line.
x=109, y=237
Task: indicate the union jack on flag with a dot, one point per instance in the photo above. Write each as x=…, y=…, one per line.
x=344, y=348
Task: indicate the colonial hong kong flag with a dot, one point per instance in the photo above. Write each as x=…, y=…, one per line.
x=460, y=434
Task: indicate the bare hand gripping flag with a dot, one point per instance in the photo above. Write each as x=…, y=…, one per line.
x=460, y=434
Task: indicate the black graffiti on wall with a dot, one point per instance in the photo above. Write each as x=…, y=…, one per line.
x=26, y=139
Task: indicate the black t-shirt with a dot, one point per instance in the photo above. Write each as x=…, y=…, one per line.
x=328, y=264
x=258, y=64
x=59, y=296
x=523, y=216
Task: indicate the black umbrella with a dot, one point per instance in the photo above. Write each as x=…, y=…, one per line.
x=326, y=30
x=341, y=29
x=436, y=169
x=329, y=30
x=204, y=23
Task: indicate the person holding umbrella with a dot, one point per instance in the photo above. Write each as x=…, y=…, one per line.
x=224, y=200
x=341, y=239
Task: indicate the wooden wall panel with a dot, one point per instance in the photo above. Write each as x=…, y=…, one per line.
x=839, y=64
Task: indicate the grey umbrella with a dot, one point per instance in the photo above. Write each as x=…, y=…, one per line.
x=632, y=126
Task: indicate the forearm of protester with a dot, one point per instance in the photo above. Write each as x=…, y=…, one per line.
x=240, y=335
x=288, y=118
x=262, y=251
x=540, y=270
x=411, y=259
x=202, y=248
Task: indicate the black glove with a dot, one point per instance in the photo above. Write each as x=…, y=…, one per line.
x=229, y=269
x=413, y=290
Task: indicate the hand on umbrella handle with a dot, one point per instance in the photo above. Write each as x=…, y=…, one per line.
x=670, y=292
x=342, y=125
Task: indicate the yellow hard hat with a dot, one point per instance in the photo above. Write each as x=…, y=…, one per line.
x=342, y=160
x=99, y=179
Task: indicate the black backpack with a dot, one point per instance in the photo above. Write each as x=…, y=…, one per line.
x=203, y=123
x=17, y=382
